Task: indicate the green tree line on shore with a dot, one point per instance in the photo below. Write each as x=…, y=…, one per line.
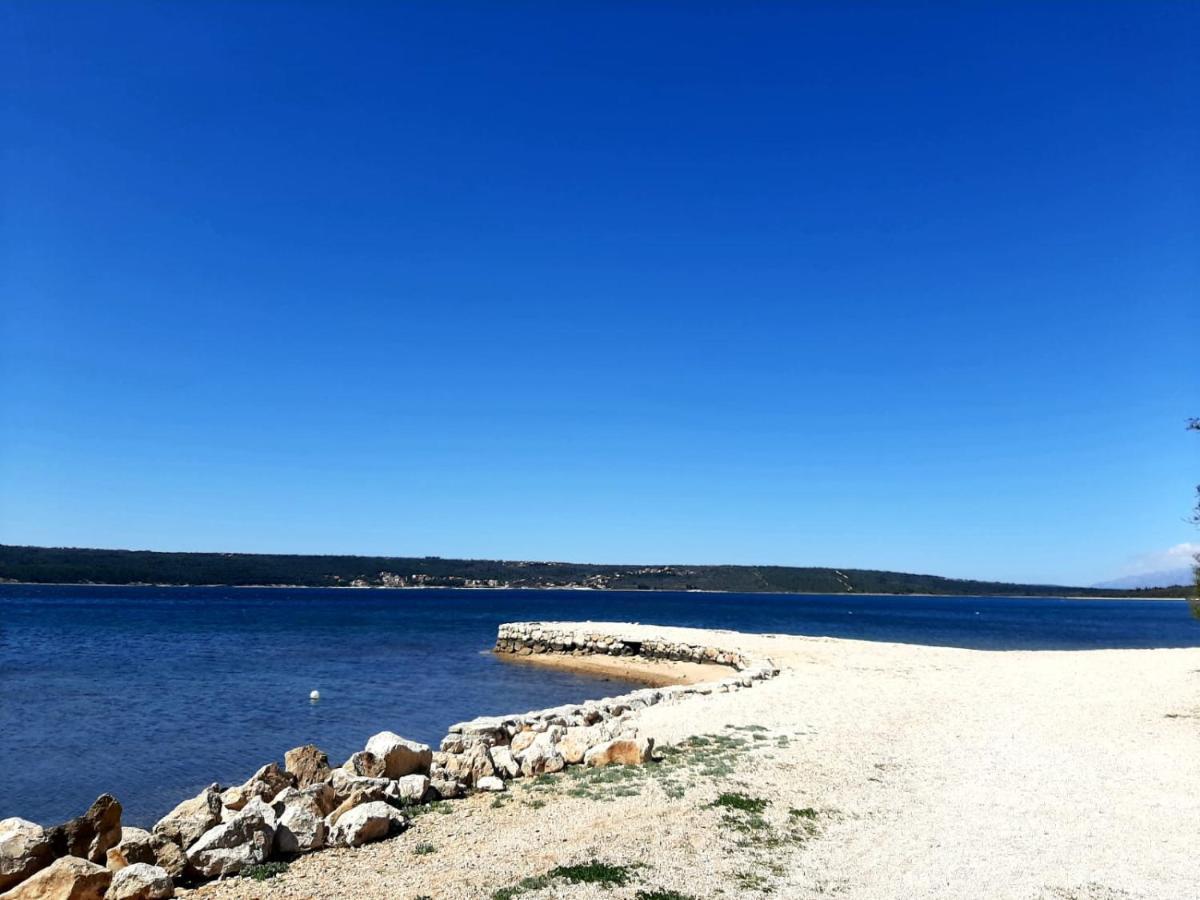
x=63, y=565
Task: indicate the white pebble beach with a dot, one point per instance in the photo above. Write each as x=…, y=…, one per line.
x=888, y=770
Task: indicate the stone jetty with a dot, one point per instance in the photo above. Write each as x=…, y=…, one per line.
x=307, y=804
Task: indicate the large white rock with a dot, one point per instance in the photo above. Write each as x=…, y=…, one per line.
x=490, y=783
x=369, y=822
x=192, y=818
x=400, y=757
x=263, y=784
x=68, y=878
x=620, y=751
x=506, y=766
x=472, y=765
x=411, y=789
x=541, y=757
x=344, y=784
x=246, y=840
x=521, y=741
x=24, y=849
x=140, y=881
x=301, y=826
x=577, y=741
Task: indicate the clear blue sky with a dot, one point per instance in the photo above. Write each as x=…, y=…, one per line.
x=891, y=286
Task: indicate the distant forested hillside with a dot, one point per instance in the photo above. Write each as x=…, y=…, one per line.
x=79, y=566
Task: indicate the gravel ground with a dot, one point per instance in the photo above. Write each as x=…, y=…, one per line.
x=864, y=770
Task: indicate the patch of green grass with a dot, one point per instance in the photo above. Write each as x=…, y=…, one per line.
x=752, y=881
x=539, y=783
x=594, y=872
x=535, y=883
x=662, y=895
x=441, y=807
x=807, y=813
x=265, y=870
x=741, y=802
x=535, y=803
x=424, y=849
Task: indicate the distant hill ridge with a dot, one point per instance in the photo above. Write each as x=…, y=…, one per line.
x=68, y=565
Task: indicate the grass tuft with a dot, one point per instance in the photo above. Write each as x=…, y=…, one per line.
x=265, y=871
x=741, y=802
x=593, y=872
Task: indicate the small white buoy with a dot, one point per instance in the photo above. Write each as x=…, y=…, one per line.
x=315, y=695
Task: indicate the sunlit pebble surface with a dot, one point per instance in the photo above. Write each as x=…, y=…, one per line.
x=934, y=772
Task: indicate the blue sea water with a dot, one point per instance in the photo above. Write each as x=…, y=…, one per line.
x=153, y=693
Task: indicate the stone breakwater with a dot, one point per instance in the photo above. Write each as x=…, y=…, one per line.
x=485, y=752
x=306, y=804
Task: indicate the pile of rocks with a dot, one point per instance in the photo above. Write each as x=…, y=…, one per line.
x=527, y=638
x=278, y=812
x=485, y=752
x=307, y=805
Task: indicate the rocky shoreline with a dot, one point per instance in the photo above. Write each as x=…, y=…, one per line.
x=306, y=805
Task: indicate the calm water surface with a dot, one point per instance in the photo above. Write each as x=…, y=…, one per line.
x=152, y=693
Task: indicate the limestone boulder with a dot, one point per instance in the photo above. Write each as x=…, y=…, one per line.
x=140, y=881
x=472, y=765
x=447, y=788
x=322, y=795
x=308, y=765
x=91, y=835
x=491, y=783
x=244, y=841
x=411, y=790
x=301, y=824
x=452, y=743
x=400, y=757
x=488, y=729
x=620, y=751
x=185, y=824
x=264, y=784
x=521, y=741
x=505, y=765
x=577, y=741
x=170, y=857
x=68, y=878
x=349, y=785
x=366, y=823
x=365, y=764
x=24, y=850
x=541, y=757
x=136, y=846
x=301, y=828
x=376, y=793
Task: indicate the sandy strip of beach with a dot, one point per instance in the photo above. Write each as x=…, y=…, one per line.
x=643, y=672
x=888, y=771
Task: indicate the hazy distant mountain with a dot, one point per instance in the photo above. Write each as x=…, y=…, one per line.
x=1169, y=578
